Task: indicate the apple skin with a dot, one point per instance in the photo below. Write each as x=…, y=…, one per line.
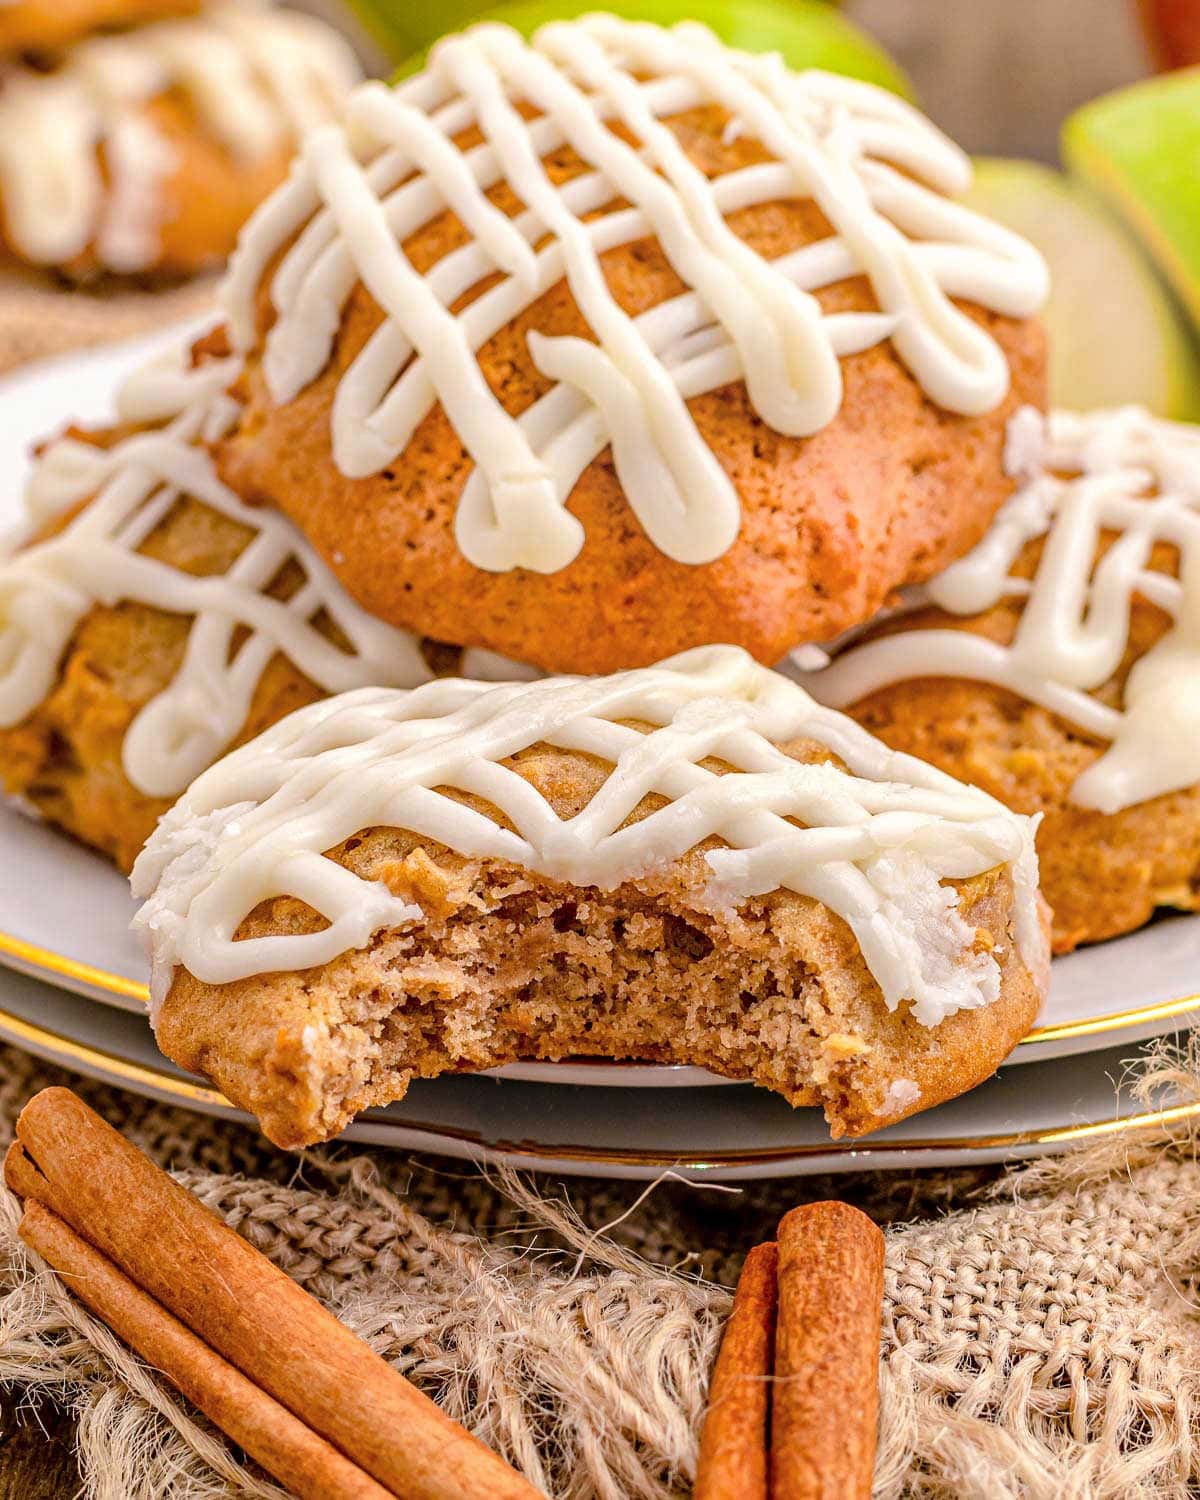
x=809, y=33
x=1116, y=334
x=1139, y=150
x=1172, y=28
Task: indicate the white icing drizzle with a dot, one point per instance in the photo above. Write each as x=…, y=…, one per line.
x=1122, y=472
x=256, y=78
x=46, y=589
x=876, y=168
x=877, y=841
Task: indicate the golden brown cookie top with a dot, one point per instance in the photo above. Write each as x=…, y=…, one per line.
x=604, y=329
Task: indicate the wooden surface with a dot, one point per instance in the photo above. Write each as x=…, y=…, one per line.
x=36, y=1454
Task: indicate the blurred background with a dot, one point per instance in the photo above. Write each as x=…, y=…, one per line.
x=998, y=75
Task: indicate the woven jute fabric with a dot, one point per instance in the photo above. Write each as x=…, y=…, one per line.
x=1039, y=1341
x=1040, y=1328
x=39, y=317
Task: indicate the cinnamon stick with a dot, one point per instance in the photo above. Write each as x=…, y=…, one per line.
x=284, y=1446
x=245, y=1308
x=825, y=1397
x=733, y=1444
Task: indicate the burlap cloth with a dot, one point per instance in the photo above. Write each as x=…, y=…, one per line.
x=1040, y=1337
x=40, y=318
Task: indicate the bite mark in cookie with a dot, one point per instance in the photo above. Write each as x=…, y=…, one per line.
x=692, y=862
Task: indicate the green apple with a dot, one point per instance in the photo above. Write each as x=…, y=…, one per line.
x=809, y=33
x=1139, y=149
x=1116, y=334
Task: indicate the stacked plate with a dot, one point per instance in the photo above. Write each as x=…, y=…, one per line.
x=73, y=991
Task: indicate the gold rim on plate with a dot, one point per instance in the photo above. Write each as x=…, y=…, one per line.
x=59, y=966
x=141, y=1077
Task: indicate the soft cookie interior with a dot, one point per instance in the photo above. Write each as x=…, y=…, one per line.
x=506, y=965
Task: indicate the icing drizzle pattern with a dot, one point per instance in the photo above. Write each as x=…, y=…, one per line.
x=876, y=168
x=878, y=838
x=1122, y=473
x=47, y=588
x=257, y=80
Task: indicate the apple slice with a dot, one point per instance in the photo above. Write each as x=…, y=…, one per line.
x=809, y=33
x=1139, y=149
x=1116, y=334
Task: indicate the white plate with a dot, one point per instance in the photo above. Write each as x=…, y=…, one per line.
x=64, y=913
x=706, y=1134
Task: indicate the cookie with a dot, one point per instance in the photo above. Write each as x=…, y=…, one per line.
x=693, y=863
x=44, y=26
x=1057, y=667
x=143, y=152
x=524, y=393
x=153, y=619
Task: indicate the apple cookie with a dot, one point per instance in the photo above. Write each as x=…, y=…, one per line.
x=1057, y=665
x=691, y=863
x=143, y=152
x=155, y=619
x=621, y=341
x=45, y=26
